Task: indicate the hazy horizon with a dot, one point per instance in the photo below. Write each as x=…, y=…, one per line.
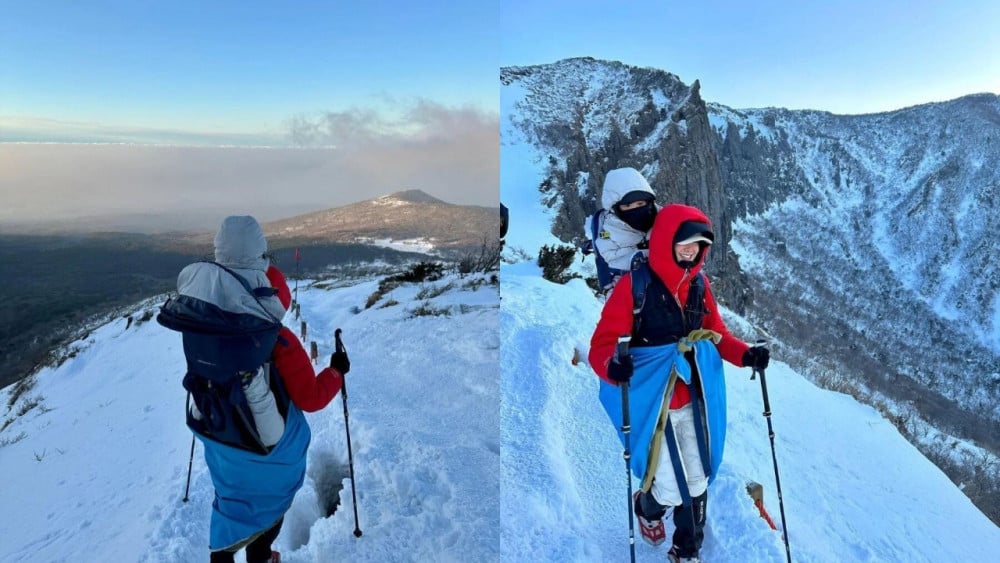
x=341, y=157
x=153, y=223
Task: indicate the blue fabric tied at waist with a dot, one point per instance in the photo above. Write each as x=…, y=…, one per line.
x=252, y=490
x=647, y=390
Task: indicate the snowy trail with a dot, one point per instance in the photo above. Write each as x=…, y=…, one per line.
x=422, y=394
x=854, y=489
x=533, y=416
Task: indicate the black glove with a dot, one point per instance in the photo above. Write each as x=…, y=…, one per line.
x=621, y=370
x=757, y=357
x=340, y=362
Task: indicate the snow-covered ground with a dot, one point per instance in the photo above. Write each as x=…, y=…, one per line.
x=99, y=473
x=421, y=244
x=854, y=488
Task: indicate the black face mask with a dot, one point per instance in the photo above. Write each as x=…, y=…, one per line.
x=688, y=264
x=640, y=218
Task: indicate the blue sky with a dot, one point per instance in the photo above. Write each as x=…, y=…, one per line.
x=849, y=56
x=232, y=69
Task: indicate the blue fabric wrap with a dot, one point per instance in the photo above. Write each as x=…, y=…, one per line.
x=647, y=387
x=251, y=490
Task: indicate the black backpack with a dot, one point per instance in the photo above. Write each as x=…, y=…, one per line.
x=222, y=350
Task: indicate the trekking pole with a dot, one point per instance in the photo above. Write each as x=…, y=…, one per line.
x=187, y=489
x=350, y=454
x=190, y=460
x=774, y=457
x=621, y=350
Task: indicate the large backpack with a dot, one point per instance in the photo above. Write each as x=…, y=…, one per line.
x=606, y=275
x=224, y=350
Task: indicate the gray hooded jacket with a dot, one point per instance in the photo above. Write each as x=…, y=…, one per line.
x=240, y=246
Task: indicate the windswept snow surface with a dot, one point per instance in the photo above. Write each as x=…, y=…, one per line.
x=99, y=476
x=854, y=489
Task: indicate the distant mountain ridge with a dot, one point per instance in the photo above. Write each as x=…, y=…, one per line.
x=409, y=215
x=405, y=215
x=412, y=215
x=860, y=243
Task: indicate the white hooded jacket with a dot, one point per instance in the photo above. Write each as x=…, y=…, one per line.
x=617, y=241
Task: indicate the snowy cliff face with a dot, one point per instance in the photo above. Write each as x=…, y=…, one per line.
x=879, y=231
x=865, y=245
x=912, y=190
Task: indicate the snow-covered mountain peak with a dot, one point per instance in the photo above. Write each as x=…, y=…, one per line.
x=601, y=96
x=406, y=197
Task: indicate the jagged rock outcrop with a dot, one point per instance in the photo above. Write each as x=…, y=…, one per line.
x=592, y=121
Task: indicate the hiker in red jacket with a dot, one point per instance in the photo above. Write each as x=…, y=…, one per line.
x=677, y=338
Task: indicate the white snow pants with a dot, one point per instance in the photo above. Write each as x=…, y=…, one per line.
x=665, y=489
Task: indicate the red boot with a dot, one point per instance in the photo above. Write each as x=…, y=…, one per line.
x=652, y=531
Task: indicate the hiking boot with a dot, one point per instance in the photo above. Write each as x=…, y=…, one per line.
x=674, y=558
x=652, y=531
x=274, y=558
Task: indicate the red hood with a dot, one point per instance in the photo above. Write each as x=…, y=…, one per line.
x=661, y=246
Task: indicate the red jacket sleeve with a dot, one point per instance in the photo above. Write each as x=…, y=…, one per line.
x=278, y=282
x=616, y=320
x=309, y=391
x=730, y=348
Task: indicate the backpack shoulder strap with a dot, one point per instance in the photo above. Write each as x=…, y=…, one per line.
x=697, y=287
x=595, y=224
x=256, y=292
x=694, y=308
x=640, y=282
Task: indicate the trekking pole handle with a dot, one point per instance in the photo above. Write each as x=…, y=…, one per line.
x=338, y=343
x=753, y=371
x=621, y=349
